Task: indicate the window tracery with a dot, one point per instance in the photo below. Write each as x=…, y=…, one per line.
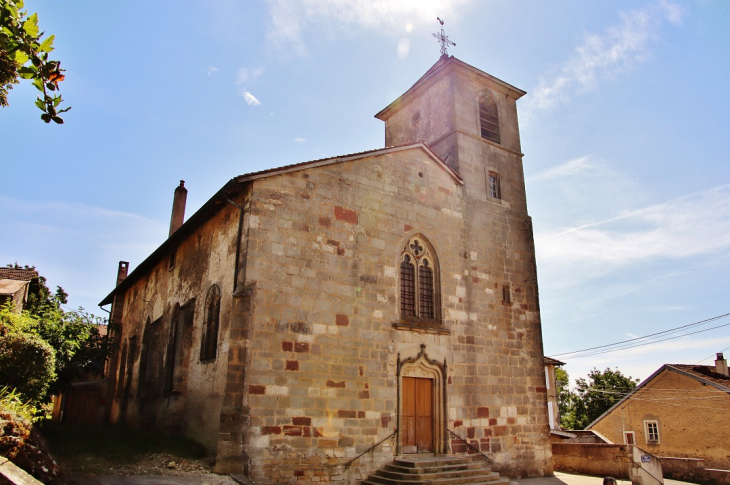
x=418, y=281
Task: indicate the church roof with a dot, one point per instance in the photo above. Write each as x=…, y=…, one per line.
x=21, y=274
x=443, y=62
x=346, y=158
x=218, y=201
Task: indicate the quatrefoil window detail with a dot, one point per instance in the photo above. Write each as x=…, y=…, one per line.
x=418, y=281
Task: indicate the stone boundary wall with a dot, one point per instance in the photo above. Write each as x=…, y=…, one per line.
x=693, y=470
x=592, y=459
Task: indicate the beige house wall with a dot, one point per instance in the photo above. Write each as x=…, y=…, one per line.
x=692, y=419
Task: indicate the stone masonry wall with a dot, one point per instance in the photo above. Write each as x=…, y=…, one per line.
x=202, y=259
x=691, y=417
x=323, y=254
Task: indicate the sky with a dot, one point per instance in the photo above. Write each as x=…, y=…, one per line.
x=624, y=128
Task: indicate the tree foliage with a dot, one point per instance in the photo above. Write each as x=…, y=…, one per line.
x=44, y=349
x=591, y=397
x=24, y=54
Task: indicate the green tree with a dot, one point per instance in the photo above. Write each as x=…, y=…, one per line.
x=596, y=395
x=77, y=347
x=565, y=399
x=24, y=54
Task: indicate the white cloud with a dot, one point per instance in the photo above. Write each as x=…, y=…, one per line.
x=250, y=99
x=300, y=140
x=210, y=70
x=245, y=75
x=602, y=56
x=695, y=224
x=290, y=19
x=571, y=167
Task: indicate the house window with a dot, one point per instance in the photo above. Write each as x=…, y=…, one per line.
x=418, y=281
x=652, y=432
x=493, y=181
x=209, y=341
x=629, y=438
x=489, y=119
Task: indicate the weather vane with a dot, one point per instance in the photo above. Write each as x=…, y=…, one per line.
x=443, y=40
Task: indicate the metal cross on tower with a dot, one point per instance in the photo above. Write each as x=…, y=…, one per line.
x=443, y=39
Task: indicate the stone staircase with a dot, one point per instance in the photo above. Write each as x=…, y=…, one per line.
x=437, y=470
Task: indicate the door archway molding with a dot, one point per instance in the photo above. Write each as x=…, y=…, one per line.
x=421, y=366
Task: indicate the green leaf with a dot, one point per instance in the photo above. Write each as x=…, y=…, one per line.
x=57, y=100
x=27, y=72
x=20, y=57
x=47, y=45
x=31, y=25
x=40, y=104
x=51, y=86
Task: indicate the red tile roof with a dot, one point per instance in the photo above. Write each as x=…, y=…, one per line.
x=706, y=372
x=20, y=274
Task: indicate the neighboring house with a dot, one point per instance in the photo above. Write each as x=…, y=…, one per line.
x=551, y=383
x=679, y=411
x=14, y=285
x=306, y=313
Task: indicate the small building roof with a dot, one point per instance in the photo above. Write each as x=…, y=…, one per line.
x=10, y=287
x=550, y=361
x=21, y=274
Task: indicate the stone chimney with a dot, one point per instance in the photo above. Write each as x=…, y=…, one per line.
x=122, y=271
x=178, y=208
x=721, y=365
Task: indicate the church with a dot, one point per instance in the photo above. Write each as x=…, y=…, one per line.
x=317, y=321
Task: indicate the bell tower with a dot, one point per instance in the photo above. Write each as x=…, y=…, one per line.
x=469, y=119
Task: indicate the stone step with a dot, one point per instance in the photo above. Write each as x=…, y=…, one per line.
x=441, y=473
x=436, y=470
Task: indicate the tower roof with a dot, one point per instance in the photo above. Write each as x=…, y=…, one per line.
x=441, y=67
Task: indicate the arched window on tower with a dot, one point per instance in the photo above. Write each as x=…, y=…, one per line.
x=419, y=284
x=209, y=343
x=489, y=119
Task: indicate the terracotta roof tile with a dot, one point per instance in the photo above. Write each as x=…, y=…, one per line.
x=20, y=274
x=706, y=372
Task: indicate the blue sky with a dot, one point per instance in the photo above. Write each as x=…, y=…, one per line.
x=624, y=129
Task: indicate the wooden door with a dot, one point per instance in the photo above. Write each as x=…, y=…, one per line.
x=417, y=415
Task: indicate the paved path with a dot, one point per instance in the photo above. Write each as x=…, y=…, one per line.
x=569, y=479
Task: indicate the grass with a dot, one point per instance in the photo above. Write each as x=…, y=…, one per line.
x=96, y=449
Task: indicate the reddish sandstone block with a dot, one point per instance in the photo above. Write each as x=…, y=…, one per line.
x=364, y=394
x=492, y=421
x=470, y=432
x=483, y=412
x=384, y=420
x=301, y=421
x=270, y=430
x=340, y=384
x=470, y=339
x=292, y=365
x=345, y=215
x=301, y=347
x=287, y=346
x=324, y=221
x=361, y=414
x=511, y=420
x=344, y=413
x=318, y=432
x=407, y=228
x=256, y=389
x=342, y=320
x=540, y=389
x=458, y=423
x=293, y=430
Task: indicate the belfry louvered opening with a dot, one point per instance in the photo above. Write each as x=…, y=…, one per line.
x=489, y=119
x=418, y=281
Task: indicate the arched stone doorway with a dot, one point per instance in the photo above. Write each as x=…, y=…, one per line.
x=421, y=405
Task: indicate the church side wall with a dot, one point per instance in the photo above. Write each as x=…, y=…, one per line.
x=324, y=251
x=192, y=407
x=691, y=419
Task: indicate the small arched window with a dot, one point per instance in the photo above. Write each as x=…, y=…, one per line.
x=212, y=312
x=489, y=119
x=418, y=281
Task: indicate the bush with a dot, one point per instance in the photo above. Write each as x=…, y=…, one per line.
x=27, y=364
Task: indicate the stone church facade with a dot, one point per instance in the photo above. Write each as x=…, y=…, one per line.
x=307, y=313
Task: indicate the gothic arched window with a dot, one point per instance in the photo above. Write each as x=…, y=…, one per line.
x=489, y=119
x=419, y=281
x=212, y=313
